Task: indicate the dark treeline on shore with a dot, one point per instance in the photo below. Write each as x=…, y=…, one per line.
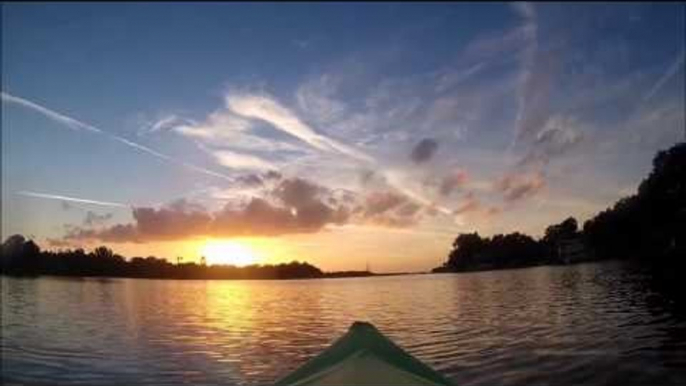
x=648, y=227
x=22, y=257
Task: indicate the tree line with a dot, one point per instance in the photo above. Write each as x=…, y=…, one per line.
x=22, y=257
x=648, y=227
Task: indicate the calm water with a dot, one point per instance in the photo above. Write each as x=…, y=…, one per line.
x=591, y=323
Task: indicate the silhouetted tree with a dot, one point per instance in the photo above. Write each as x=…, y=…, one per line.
x=472, y=252
x=650, y=225
x=19, y=256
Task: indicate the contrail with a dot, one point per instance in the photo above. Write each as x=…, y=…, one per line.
x=673, y=69
x=78, y=125
x=70, y=122
x=72, y=199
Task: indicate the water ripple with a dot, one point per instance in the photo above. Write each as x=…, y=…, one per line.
x=591, y=324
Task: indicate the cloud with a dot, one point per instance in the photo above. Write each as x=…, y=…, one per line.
x=559, y=136
x=58, y=243
x=297, y=192
x=534, y=95
x=389, y=209
x=120, y=233
x=519, y=186
x=424, y=150
x=93, y=219
x=225, y=130
x=281, y=118
x=173, y=222
x=219, y=124
x=234, y=130
x=536, y=76
x=166, y=123
x=452, y=181
x=470, y=204
x=381, y=202
x=293, y=205
x=298, y=209
x=454, y=78
x=235, y=160
x=70, y=199
x=78, y=125
x=316, y=99
x=524, y=9
x=397, y=181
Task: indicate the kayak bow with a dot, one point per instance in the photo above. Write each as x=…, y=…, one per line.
x=363, y=356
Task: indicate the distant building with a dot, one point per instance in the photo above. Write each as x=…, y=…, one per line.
x=571, y=250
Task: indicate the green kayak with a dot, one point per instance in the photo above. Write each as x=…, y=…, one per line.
x=363, y=356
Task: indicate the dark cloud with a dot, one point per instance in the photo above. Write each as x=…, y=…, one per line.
x=294, y=205
x=272, y=175
x=262, y=218
x=93, y=219
x=119, y=233
x=424, y=150
x=388, y=208
x=298, y=209
x=173, y=222
x=251, y=180
x=556, y=139
x=297, y=192
x=517, y=186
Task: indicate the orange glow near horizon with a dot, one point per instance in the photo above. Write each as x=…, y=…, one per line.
x=223, y=252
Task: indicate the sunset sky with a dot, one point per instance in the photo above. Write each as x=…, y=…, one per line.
x=339, y=134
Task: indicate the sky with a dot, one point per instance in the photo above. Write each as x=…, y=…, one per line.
x=339, y=134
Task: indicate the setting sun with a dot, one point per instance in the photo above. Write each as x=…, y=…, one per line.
x=228, y=253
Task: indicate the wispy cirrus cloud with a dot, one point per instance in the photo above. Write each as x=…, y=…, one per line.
x=75, y=124
x=225, y=129
x=269, y=110
x=235, y=160
x=235, y=120
x=166, y=122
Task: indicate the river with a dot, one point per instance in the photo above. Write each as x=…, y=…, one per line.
x=597, y=323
